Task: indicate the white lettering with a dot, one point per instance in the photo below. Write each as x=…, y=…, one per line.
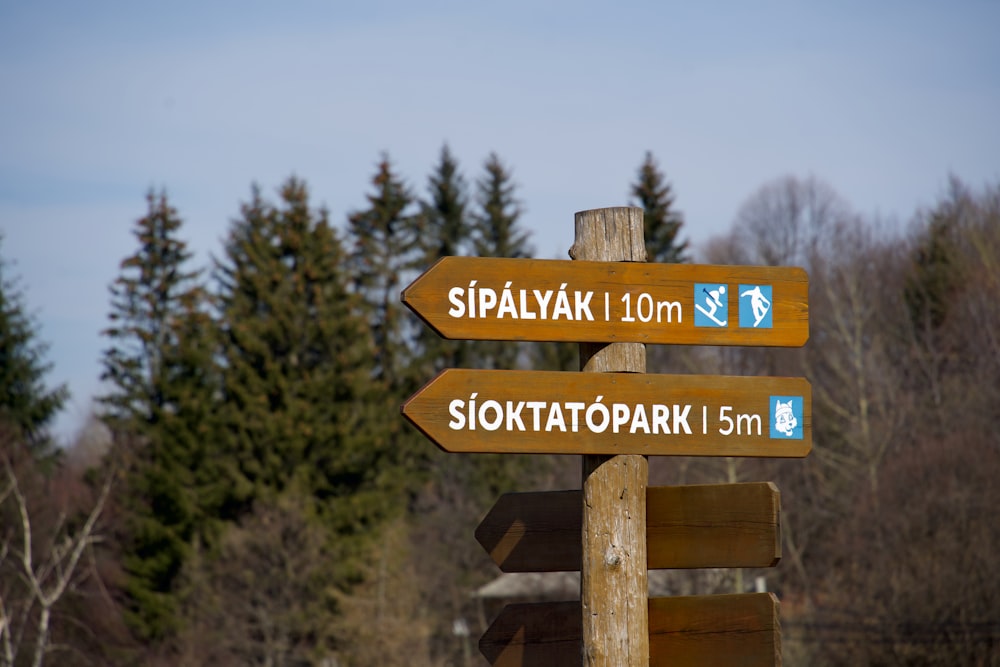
x=457, y=422
x=543, y=303
x=455, y=298
x=681, y=419
x=661, y=417
x=639, y=420
x=494, y=424
x=506, y=303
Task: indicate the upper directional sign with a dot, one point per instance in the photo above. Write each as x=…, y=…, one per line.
x=482, y=298
x=551, y=412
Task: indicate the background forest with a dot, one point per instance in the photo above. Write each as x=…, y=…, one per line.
x=247, y=493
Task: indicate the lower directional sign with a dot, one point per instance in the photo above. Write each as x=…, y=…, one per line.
x=683, y=632
x=547, y=412
x=707, y=525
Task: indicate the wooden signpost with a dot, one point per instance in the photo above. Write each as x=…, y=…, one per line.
x=704, y=525
x=684, y=631
x=485, y=298
x=613, y=529
x=539, y=412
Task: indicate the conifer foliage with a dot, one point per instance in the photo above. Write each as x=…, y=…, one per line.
x=446, y=232
x=26, y=404
x=496, y=232
x=385, y=255
x=160, y=367
x=661, y=222
x=297, y=363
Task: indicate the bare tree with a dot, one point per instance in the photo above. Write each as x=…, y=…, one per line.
x=784, y=221
x=40, y=565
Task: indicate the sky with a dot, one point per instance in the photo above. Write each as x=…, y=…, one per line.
x=102, y=100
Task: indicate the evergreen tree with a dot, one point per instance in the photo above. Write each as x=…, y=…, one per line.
x=496, y=232
x=160, y=366
x=661, y=223
x=298, y=398
x=445, y=213
x=147, y=298
x=26, y=404
x=446, y=232
x=386, y=252
x=935, y=274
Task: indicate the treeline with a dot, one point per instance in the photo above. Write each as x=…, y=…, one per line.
x=889, y=526
x=262, y=502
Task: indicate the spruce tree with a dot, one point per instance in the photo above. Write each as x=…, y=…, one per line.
x=26, y=404
x=496, y=232
x=661, y=223
x=385, y=256
x=298, y=396
x=162, y=375
x=446, y=232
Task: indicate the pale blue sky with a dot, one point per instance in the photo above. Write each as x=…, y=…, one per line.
x=100, y=100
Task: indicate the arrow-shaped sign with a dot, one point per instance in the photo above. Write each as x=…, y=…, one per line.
x=549, y=412
x=709, y=525
x=683, y=632
x=484, y=298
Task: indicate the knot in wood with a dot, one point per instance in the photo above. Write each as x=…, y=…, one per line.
x=614, y=557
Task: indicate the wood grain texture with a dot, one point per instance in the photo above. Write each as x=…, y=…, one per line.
x=624, y=294
x=706, y=525
x=731, y=630
x=705, y=405
x=614, y=581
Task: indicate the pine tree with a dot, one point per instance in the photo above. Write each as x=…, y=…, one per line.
x=387, y=237
x=160, y=366
x=661, y=223
x=298, y=396
x=26, y=404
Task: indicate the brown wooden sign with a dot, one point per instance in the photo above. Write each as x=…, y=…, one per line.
x=548, y=412
x=483, y=298
x=707, y=525
x=683, y=632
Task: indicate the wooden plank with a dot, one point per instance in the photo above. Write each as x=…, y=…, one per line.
x=739, y=630
x=484, y=298
x=704, y=525
x=613, y=577
x=714, y=525
x=550, y=412
x=548, y=634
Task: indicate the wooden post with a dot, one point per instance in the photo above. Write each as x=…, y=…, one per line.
x=613, y=578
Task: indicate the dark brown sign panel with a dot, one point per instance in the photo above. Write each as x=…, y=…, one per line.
x=683, y=632
x=483, y=298
x=702, y=525
x=548, y=412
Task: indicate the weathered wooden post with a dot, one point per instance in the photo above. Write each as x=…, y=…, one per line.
x=613, y=578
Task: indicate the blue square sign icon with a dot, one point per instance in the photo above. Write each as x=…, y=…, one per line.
x=786, y=417
x=711, y=305
x=755, y=306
